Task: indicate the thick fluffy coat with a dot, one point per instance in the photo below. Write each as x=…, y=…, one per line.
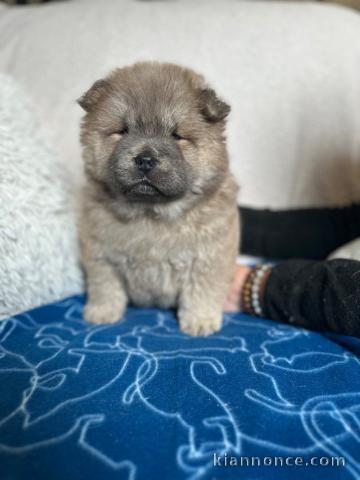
x=159, y=224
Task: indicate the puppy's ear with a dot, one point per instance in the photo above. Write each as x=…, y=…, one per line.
x=212, y=107
x=89, y=98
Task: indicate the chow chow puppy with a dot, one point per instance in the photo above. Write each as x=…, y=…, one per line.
x=159, y=223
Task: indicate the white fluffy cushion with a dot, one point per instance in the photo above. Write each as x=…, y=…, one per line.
x=38, y=243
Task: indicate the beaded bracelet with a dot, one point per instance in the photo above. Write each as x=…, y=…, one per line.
x=251, y=291
x=246, y=292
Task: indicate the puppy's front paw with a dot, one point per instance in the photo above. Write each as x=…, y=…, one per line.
x=109, y=312
x=200, y=326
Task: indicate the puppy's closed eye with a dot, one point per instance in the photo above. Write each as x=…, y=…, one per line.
x=118, y=134
x=177, y=137
x=180, y=138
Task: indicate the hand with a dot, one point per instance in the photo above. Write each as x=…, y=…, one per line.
x=233, y=299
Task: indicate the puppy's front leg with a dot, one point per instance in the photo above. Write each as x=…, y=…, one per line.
x=106, y=296
x=201, y=302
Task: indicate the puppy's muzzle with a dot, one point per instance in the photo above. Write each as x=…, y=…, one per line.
x=145, y=162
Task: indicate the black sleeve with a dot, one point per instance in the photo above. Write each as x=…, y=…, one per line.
x=316, y=295
x=311, y=233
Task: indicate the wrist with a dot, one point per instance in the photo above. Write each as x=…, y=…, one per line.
x=252, y=294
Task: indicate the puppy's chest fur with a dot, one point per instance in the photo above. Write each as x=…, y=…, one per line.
x=153, y=262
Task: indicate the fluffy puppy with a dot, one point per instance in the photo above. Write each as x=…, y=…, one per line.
x=159, y=223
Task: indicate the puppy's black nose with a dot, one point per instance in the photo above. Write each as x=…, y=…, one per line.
x=145, y=162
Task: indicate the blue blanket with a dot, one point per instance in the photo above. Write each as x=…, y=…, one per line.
x=140, y=400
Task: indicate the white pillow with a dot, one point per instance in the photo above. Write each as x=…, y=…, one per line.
x=350, y=251
x=39, y=258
